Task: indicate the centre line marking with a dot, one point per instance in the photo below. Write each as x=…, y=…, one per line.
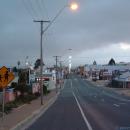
x=71, y=84
x=82, y=113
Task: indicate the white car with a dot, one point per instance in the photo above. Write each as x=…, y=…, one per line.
x=49, y=81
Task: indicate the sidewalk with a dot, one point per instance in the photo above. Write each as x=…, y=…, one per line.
x=26, y=113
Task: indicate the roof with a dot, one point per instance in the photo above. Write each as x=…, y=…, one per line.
x=125, y=75
x=110, y=68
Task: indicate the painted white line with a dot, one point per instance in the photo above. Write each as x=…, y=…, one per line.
x=82, y=113
x=63, y=85
x=71, y=84
x=116, y=105
x=119, y=99
x=124, y=100
x=122, y=103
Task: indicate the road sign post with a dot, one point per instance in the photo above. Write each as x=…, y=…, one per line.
x=5, y=78
x=3, y=105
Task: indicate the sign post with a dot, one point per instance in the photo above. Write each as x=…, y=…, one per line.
x=5, y=78
x=3, y=105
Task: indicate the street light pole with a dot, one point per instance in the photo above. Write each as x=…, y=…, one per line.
x=73, y=6
x=56, y=59
x=41, y=58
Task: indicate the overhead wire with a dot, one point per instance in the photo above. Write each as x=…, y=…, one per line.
x=28, y=9
x=34, y=10
x=41, y=8
x=53, y=20
x=38, y=8
x=45, y=9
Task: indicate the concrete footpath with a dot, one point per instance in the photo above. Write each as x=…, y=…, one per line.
x=24, y=115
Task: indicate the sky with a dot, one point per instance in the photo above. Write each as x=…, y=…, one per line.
x=99, y=30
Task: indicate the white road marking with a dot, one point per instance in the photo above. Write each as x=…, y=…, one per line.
x=116, y=105
x=71, y=84
x=122, y=103
x=119, y=99
x=82, y=113
x=64, y=84
x=124, y=100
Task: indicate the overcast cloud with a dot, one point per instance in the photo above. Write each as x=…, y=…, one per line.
x=96, y=26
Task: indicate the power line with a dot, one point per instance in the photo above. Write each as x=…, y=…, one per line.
x=57, y=15
x=27, y=9
x=44, y=7
x=41, y=57
x=33, y=8
x=39, y=8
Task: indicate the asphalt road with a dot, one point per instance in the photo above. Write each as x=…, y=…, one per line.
x=83, y=106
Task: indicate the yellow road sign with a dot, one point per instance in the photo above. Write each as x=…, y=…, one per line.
x=5, y=77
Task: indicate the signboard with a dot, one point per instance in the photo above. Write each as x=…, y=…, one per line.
x=5, y=77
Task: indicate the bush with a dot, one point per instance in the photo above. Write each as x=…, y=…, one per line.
x=19, y=101
x=45, y=91
x=14, y=85
x=29, y=98
x=37, y=94
x=8, y=108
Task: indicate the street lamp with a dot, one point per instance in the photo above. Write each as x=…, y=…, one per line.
x=70, y=61
x=73, y=6
x=68, y=55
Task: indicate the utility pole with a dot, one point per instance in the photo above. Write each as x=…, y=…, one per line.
x=41, y=58
x=61, y=74
x=56, y=59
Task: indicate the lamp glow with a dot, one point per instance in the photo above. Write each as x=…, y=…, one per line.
x=73, y=6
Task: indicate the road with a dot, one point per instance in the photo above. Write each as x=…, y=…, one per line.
x=83, y=106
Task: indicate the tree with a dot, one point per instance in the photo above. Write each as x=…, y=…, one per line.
x=18, y=63
x=112, y=62
x=22, y=82
x=37, y=63
x=15, y=69
x=94, y=62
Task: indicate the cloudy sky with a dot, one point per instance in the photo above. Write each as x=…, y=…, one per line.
x=98, y=30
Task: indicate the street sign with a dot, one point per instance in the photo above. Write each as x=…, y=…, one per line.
x=5, y=77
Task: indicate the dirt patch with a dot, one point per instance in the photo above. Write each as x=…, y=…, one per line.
x=125, y=91
x=104, y=83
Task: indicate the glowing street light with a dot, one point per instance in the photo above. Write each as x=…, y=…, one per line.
x=74, y=6
x=70, y=57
